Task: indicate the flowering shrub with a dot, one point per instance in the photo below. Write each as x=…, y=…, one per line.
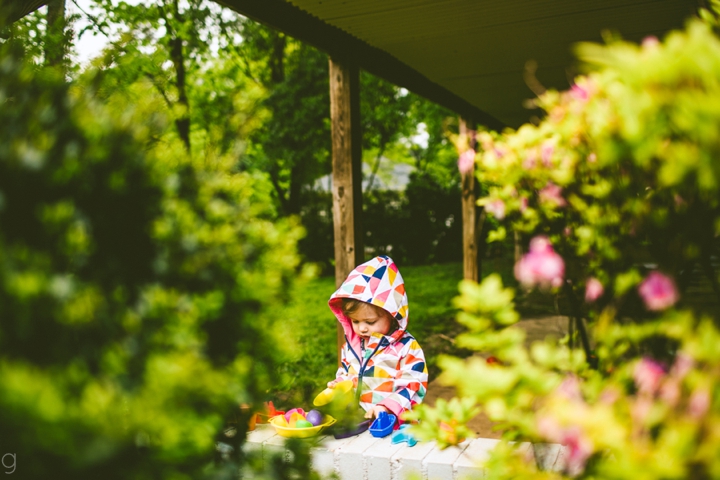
x=622, y=176
x=617, y=191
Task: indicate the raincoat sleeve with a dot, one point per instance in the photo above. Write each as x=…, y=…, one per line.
x=410, y=387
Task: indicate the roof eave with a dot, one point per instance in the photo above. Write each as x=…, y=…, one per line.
x=283, y=16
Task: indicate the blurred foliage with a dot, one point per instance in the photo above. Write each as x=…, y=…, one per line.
x=446, y=423
x=630, y=417
x=622, y=175
x=138, y=285
x=293, y=144
x=186, y=53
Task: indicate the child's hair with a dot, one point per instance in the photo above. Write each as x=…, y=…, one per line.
x=350, y=305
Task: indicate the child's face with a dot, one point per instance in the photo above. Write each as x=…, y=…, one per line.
x=368, y=319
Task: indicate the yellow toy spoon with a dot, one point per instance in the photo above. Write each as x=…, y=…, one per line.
x=329, y=394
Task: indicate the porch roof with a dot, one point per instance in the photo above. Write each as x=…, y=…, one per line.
x=468, y=55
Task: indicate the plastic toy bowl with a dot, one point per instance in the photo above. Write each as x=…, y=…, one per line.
x=383, y=425
x=329, y=394
x=283, y=430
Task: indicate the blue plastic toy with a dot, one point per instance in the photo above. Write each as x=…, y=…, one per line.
x=403, y=436
x=383, y=425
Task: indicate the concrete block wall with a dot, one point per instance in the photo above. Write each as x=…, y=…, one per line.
x=364, y=457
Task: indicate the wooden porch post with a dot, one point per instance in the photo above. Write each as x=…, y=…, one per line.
x=471, y=269
x=346, y=171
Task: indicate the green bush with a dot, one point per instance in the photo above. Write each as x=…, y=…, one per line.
x=137, y=287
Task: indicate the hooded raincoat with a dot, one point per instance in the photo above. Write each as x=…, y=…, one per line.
x=390, y=369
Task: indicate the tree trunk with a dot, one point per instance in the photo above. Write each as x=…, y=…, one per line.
x=295, y=189
x=177, y=54
x=277, y=59
x=55, y=40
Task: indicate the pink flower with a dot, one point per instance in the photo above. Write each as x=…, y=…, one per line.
x=523, y=204
x=609, y=396
x=466, y=162
x=682, y=366
x=670, y=391
x=593, y=289
x=551, y=194
x=541, y=266
x=579, y=92
x=658, y=291
x=497, y=208
x=699, y=403
x=570, y=389
x=648, y=374
x=583, y=90
x=546, y=152
x=640, y=409
x=579, y=446
x=592, y=158
x=530, y=160
x=650, y=42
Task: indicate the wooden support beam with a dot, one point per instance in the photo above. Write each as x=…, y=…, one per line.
x=346, y=170
x=471, y=270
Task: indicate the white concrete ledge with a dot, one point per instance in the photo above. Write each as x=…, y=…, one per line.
x=364, y=457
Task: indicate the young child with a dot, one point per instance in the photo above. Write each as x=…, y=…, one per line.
x=381, y=358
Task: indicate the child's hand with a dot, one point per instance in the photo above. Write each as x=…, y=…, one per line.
x=375, y=411
x=332, y=384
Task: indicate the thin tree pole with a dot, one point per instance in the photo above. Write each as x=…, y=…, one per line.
x=471, y=269
x=55, y=47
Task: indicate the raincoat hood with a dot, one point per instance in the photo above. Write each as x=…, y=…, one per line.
x=379, y=283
